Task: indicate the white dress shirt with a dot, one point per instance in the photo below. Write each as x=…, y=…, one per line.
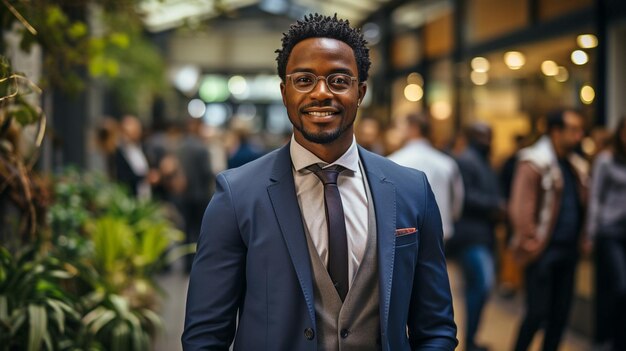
x=443, y=175
x=310, y=192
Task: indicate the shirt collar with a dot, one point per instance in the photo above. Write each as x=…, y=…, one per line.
x=302, y=158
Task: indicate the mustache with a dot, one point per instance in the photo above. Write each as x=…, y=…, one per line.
x=325, y=103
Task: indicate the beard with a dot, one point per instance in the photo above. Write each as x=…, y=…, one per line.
x=324, y=137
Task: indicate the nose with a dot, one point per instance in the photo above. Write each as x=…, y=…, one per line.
x=320, y=90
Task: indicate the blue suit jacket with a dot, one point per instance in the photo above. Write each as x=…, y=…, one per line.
x=252, y=262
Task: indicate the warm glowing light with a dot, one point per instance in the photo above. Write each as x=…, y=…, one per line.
x=415, y=78
x=237, y=85
x=588, y=146
x=562, y=75
x=413, y=92
x=579, y=57
x=479, y=78
x=587, y=41
x=480, y=64
x=587, y=94
x=196, y=108
x=514, y=60
x=440, y=110
x=549, y=68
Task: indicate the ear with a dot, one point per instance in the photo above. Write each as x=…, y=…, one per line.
x=282, y=92
x=362, y=90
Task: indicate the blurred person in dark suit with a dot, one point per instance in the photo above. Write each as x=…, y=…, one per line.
x=547, y=210
x=196, y=163
x=131, y=165
x=474, y=232
x=242, y=149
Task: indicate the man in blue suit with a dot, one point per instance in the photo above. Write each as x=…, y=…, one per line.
x=290, y=259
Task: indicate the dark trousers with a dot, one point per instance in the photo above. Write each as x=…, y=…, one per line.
x=549, y=290
x=478, y=273
x=610, y=257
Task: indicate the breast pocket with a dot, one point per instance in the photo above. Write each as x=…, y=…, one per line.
x=406, y=237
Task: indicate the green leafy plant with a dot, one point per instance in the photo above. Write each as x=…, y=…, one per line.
x=119, y=326
x=35, y=311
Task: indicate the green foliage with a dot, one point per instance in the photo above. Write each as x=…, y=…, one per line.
x=117, y=51
x=118, y=325
x=88, y=282
x=35, y=310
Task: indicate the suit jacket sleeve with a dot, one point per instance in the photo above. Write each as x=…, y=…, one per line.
x=217, y=279
x=431, y=323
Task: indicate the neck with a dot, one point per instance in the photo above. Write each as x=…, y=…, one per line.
x=328, y=152
x=558, y=149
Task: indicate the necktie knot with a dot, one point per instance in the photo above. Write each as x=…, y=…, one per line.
x=327, y=175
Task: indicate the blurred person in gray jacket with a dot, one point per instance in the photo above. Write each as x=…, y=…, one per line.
x=606, y=225
x=474, y=232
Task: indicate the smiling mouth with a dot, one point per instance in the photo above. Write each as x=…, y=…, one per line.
x=320, y=114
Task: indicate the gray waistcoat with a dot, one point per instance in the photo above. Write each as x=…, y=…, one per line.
x=355, y=324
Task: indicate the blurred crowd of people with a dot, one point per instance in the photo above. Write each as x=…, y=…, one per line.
x=551, y=204
x=527, y=223
x=174, y=163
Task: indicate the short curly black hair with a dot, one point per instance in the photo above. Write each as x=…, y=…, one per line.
x=319, y=26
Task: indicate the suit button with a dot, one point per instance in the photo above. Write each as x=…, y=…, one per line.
x=309, y=334
x=344, y=333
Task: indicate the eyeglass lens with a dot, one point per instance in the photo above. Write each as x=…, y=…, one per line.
x=336, y=82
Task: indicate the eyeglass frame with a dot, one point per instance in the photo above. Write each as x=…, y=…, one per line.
x=317, y=79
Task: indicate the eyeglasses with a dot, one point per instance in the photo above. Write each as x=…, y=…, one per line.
x=338, y=83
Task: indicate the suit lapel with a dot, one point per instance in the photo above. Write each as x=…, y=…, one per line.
x=384, y=197
x=285, y=203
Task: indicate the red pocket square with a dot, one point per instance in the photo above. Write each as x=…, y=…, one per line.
x=405, y=231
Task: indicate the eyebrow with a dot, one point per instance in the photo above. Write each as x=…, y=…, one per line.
x=338, y=70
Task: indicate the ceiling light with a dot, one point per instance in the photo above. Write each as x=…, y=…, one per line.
x=579, y=57
x=415, y=78
x=587, y=94
x=479, y=78
x=413, y=92
x=441, y=110
x=480, y=64
x=514, y=60
x=196, y=108
x=549, y=68
x=562, y=75
x=587, y=41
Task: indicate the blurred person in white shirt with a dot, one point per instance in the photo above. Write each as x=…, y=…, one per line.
x=441, y=169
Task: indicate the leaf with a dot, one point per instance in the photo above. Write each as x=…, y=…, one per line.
x=57, y=314
x=37, y=326
x=77, y=30
x=4, y=308
x=98, y=318
x=120, y=39
x=120, y=337
x=154, y=319
x=18, y=318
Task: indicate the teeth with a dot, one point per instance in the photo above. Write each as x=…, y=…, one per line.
x=320, y=114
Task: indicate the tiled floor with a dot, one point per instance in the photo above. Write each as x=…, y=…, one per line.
x=499, y=326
